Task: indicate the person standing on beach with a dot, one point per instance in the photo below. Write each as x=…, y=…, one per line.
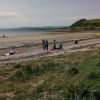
x=46, y=44
x=60, y=45
x=43, y=43
x=54, y=44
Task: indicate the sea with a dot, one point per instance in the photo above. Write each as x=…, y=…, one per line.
x=20, y=32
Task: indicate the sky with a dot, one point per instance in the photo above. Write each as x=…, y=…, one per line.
x=37, y=13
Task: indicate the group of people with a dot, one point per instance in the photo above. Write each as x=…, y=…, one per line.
x=55, y=44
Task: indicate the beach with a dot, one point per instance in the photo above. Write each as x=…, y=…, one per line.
x=29, y=47
x=37, y=38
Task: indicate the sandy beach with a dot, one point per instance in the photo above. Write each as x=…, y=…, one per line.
x=27, y=47
x=36, y=38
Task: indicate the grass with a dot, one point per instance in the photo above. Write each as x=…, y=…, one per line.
x=86, y=24
x=74, y=76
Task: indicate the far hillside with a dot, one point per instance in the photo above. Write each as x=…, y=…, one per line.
x=93, y=24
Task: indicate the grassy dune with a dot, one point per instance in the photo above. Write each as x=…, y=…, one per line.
x=74, y=76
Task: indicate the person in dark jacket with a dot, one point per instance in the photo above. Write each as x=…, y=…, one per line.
x=46, y=44
x=43, y=43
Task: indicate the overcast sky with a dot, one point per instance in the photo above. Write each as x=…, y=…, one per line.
x=22, y=13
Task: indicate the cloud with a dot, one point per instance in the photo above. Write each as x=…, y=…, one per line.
x=7, y=14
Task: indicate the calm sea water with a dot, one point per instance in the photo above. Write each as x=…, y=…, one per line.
x=21, y=32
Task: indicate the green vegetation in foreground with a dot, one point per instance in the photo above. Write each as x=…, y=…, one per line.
x=73, y=76
x=86, y=24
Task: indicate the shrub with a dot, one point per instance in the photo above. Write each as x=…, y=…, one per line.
x=73, y=71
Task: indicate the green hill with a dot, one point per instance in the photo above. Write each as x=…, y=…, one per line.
x=86, y=24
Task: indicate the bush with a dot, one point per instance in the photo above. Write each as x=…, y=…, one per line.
x=73, y=71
